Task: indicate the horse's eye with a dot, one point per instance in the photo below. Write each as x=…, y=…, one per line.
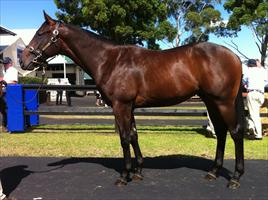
x=41, y=32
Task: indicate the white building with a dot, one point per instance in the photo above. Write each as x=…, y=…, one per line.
x=60, y=67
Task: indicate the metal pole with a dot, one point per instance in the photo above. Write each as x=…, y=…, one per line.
x=64, y=69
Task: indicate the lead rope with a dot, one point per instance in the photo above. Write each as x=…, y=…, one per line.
x=44, y=79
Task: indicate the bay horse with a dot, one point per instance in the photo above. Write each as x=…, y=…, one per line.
x=129, y=77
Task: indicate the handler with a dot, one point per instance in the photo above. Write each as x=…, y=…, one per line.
x=10, y=76
x=255, y=79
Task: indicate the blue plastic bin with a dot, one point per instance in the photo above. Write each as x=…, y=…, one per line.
x=15, y=114
x=31, y=104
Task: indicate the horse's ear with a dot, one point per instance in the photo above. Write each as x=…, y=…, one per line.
x=48, y=19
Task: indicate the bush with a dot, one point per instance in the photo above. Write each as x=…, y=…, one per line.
x=35, y=80
x=30, y=80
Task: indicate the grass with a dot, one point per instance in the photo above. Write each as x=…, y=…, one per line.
x=101, y=141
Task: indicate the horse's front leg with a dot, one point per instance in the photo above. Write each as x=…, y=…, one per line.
x=122, y=114
x=221, y=132
x=138, y=155
x=218, y=163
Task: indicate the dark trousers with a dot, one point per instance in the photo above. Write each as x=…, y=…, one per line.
x=59, y=97
x=68, y=98
x=3, y=111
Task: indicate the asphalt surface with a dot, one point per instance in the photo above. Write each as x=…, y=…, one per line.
x=168, y=177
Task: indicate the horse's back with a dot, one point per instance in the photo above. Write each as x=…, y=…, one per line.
x=156, y=78
x=189, y=69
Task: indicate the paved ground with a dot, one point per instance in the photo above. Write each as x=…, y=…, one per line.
x=168, y=177
x=92, y=178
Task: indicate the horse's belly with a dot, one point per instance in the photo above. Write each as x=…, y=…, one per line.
x=165, y=93
x=158, y=102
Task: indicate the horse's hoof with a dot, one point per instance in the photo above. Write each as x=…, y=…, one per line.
x=211, y=176
x=120, y=182
x=233, y=184
x=137, y=177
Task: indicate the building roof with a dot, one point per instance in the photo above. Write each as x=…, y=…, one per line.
x=4, y=31
x=61, y=59
x=25, y=34
x=3, y=47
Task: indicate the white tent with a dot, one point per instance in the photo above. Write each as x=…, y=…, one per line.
x=60, y=60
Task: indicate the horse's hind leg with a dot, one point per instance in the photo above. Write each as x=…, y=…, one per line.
x=138, y=155
x=235, y=125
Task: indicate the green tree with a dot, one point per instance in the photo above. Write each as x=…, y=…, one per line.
x=124, y=21
x=143, y=21
x=253, y=14
x=194, y=19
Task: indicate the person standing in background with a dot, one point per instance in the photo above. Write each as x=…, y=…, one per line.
x=10, y=76
x=255, y=80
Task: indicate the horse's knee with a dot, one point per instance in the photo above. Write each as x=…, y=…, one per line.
x=134, y=137
x=238, y=132
x=125, y=142
x=133, y=131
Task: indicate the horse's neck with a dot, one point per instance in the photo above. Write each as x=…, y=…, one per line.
x=86, y=50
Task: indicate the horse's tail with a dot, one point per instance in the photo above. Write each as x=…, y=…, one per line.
x=240, y=110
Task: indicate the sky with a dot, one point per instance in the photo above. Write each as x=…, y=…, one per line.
x=28, y=14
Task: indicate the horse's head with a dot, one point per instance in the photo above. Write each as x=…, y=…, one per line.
x=44, y=44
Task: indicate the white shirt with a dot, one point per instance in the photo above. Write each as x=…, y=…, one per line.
x=10, y=75
x=266, y=72
x=255, y=78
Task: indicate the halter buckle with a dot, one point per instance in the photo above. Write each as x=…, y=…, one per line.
x=56, y=32
x=39, y=53
x=54, y=39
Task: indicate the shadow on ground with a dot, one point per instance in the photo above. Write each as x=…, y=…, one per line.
x=160, y=162
x=12, y=176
